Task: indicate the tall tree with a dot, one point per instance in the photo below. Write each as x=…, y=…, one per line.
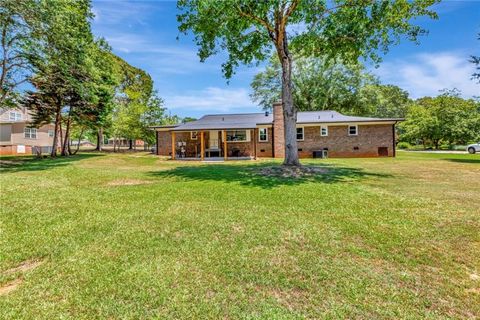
x=62, y=66
x=447, y=118
x=318, y=84
x=134, y=93
x=17, y=21
x=107, y=81
x=476, y=60
x=384, y=101
x=249, y=29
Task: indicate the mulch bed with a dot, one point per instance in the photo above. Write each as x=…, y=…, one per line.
x=291, y=171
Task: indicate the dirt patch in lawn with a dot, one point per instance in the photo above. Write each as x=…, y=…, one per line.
x=292, y=299
x=10, y=286
x=21, y=268
x=25, y=266
x=127, y=182
x=291, y=172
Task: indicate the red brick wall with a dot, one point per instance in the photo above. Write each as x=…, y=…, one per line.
x=340, y=144
x=265, y=149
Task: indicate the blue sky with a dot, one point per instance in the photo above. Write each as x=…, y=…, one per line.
x=144, y=33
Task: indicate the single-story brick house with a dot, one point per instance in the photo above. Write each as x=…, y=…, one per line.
x=252, y=135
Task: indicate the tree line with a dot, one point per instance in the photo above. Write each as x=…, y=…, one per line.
x=72, y=79
x=322, y=84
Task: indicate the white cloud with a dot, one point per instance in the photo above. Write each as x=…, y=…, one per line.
x=212, y=99
x=114, y=11
x=142, y=43
x=426, y=74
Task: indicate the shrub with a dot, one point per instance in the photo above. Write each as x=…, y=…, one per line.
x=404, y=145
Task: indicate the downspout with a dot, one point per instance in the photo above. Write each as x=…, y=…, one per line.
x=393, y=136
x=273, y=139
x=156, y=143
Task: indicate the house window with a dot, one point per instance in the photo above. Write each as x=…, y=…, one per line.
x=51, y=133
x=193, y=135
x=300, y=134
x=238, y=135
x=324, y=131
x=15, y=116
x=30, y=133
x=262, y=134
x=353, y=130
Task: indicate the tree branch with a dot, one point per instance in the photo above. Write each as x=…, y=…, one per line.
x=290, y=9
x=261, y=21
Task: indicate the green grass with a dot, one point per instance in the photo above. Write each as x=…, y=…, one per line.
x=131, y=236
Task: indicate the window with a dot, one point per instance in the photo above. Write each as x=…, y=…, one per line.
x=238, y=135
x=353, y=130
x=193, y=135
x=324, y=131
x=15, y=116
x=51, y=133
x=30, y=133
x=263, y=134
x=300, y=134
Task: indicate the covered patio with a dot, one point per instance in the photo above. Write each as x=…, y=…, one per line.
x=214, y=144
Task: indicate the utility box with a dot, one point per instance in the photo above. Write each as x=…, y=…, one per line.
x=320, y=154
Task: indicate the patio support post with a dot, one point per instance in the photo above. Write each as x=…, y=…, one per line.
x=225, y=151
x=173, y=145
x=202, y=146
x=255, y=144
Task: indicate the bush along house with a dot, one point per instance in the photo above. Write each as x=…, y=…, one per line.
x=252, y=135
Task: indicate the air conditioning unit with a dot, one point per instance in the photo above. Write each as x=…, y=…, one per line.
x=322, y=154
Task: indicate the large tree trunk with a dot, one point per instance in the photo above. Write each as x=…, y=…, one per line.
x=289, y=110
x=56, y=132
x=99, y=139
x=130, y=144
x=79, y=139
x=67, y=135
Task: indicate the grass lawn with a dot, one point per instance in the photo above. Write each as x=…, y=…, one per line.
x=132, y=236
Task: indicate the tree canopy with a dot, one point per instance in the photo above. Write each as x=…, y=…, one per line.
x=446, y=118
x=320, y=84
x=76, y=79
x=17, y=19
x=250, y=30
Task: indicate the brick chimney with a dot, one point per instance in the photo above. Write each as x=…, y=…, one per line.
x=278, y=130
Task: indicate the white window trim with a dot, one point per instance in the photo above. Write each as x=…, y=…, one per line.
x=266, y=135
x=191, y=135
x=247, y=136
x=356, y=129
x=321, y=132
x=303, y=133
x=17, y=116
x=31, y=130
x=51, y=133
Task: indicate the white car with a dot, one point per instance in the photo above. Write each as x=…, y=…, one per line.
x=472, y=148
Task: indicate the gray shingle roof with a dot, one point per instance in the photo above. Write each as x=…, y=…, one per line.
x=329, y=116
x=226, y=121
x=251, y=120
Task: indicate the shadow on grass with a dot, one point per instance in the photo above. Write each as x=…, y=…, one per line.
x=30, y=163
x=248, y=175
x=464, y=160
